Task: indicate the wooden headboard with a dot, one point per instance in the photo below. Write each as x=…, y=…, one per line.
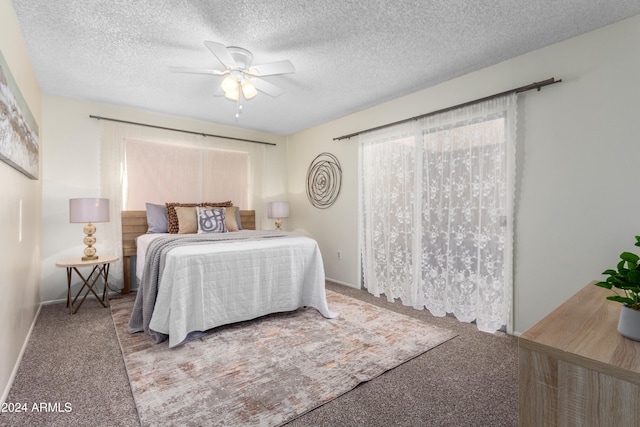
x=134, y=224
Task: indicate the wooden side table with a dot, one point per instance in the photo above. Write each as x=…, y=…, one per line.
x=100, y=269
x=576, y=369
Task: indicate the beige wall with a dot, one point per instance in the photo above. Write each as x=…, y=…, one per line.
x=578, y=151
x=20, y=213
x=71, y=169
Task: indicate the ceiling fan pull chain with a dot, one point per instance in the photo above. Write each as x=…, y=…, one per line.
x=238, y=106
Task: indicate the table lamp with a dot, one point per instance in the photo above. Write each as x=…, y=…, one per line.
x=278, y=210
x=89, y=211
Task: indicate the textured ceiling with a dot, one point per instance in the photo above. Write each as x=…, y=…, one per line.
x=348, y=54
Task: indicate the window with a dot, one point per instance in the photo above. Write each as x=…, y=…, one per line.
x=160, y=173
x=436, y=212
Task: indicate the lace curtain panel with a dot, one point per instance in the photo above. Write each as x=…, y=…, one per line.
x=236, y=164
x=436, y=203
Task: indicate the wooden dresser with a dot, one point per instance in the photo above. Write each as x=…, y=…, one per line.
x=575, y=369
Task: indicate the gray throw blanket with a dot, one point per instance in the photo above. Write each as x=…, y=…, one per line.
x=154, y=266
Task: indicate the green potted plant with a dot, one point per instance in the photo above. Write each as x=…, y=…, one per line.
x=626, y=279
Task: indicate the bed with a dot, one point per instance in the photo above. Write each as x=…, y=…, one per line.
x=134, y=224
x=191, y=283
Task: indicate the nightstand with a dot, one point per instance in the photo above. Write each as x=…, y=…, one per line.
x=100, y=268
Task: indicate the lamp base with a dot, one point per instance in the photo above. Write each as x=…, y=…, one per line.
x=89, y=240
x=278, y=224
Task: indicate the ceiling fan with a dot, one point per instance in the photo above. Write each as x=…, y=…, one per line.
x=242, y=78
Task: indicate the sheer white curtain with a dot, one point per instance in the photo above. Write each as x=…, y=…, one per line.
x=437, y=200
x=114, y=179
x=388, y=186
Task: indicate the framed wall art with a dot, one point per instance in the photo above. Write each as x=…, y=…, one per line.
x=18, y=128
x=324, y=179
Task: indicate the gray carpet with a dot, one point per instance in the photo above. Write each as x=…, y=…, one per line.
x=75, y=360
x=470, y=380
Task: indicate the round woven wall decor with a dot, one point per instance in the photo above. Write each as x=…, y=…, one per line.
x=324, y=179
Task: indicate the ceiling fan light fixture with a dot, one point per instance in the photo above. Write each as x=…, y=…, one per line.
x=232, y=94
x=248, y=89
x=229, y=84
x=241, y=79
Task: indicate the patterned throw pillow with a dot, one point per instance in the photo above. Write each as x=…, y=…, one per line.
x=172, y=217
x=211, y=220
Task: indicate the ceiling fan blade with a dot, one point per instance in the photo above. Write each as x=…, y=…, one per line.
x=221, y=52
x=197, y=71
x=280, y=67
x=266, y=87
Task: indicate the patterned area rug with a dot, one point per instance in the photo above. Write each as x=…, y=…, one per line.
x=267, y=371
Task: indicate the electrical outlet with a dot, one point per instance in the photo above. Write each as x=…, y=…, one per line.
x=339, y=254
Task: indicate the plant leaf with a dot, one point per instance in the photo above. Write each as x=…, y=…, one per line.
x=620, y=266
x=604, y=285
x=631, y=288
x=630, y=257
x=616, y=281
x=623, y=300
x=634, y=276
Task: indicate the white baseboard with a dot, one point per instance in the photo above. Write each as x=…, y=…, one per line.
x=342, y=283
x=64, y=300
x=14, y=372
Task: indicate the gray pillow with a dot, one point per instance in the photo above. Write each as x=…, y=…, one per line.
x=157, y=218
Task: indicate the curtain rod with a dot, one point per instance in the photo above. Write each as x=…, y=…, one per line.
x=535, y=85
x=181, y=130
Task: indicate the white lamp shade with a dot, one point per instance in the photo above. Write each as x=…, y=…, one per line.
x=88, y=210
x=232, y=95
x=278, y=210
x=229, y=84
x=248, y=89
x=230, y=88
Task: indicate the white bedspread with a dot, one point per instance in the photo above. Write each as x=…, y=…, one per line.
x=208, y=285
